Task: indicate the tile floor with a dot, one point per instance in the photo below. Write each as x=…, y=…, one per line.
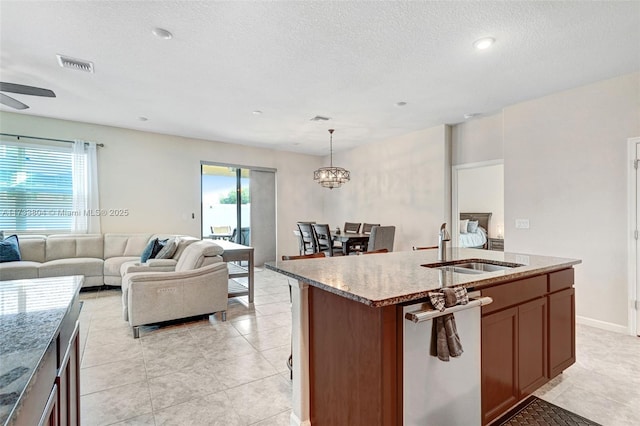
x=206, y=372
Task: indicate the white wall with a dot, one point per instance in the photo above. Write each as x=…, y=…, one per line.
x=401, y=181
x=477, y=140
x=157, y=177
x=566, y=171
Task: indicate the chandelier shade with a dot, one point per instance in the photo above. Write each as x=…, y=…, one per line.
x=331, y=177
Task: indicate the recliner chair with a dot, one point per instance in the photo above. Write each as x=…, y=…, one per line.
x=198, y=286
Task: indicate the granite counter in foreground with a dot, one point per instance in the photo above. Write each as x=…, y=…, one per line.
x=391, y=278
x=36, y=317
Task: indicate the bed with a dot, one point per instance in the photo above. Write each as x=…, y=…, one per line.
x=475, y=236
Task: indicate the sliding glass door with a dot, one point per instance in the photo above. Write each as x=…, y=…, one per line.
x=226, y=203
x=238, y=204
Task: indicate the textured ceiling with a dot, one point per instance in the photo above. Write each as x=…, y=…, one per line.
x=351, y=61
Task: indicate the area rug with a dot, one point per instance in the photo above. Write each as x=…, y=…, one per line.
x=535, y=411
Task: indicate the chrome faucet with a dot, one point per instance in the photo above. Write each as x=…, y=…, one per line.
x=443, y=237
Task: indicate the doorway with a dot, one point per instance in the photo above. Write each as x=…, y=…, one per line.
x=478, y=188
x=238, y=205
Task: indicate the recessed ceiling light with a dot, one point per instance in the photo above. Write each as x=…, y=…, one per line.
x=400, y=104
x=484, y=43
x=257, y=112
x=471, y=115
x=162, y=33
x=143, y=118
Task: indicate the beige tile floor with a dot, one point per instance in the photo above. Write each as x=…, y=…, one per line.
x=206, y=372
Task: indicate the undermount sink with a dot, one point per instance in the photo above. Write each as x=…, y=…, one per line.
x=472, y=266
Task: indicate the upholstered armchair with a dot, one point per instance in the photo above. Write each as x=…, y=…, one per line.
x=197, y=286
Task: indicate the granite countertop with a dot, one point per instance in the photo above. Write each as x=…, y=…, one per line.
x=31, y=312
x=397, y=277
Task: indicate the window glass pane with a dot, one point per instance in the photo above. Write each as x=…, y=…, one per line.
x=36, y=188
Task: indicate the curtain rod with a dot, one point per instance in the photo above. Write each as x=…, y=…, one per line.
x=101, y=145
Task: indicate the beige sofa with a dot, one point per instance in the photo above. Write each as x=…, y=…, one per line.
x=99, y=257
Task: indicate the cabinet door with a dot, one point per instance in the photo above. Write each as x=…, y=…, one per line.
x=532, y=345
x=562, y=331
x=499, y=363
x=68, y=382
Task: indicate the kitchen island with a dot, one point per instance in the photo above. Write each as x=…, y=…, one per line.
x=348, y=321
x=39, y=351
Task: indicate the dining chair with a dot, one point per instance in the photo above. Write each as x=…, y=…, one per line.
x=366, y=227
x=381, y=237
x=351, y=228
x=309, y=242
x=325, y=241
x=299, y=257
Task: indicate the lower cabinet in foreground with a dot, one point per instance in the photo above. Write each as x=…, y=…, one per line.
x=528, y=337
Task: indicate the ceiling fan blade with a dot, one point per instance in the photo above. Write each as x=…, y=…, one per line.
x=26, y=90
x=10, y=102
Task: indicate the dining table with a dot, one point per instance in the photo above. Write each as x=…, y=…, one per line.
x=351, y=240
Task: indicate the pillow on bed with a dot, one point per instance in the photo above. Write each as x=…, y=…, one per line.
x=463, y=226
x=472, y=227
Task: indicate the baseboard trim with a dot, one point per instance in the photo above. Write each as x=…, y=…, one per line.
x=295, y=421
x=602, y=325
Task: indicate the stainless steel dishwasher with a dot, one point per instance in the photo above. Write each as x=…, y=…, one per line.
x=438, y=393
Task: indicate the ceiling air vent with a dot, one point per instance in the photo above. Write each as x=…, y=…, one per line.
x=320, y=118
x=75, y=64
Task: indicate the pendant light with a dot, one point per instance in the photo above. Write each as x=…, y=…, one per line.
x=331, y=177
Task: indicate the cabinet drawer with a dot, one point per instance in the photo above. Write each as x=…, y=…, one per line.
x=514, y=293
x=560, y=280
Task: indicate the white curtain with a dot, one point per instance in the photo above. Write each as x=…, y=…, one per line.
x=86, y=206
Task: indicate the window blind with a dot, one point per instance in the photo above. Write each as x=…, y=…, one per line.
x=36, y=188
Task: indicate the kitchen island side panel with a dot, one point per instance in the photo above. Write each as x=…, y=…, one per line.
x=353, y=361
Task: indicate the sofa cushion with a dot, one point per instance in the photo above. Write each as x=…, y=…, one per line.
x=168, y=250
x=19, y=270
x=9, y=249
x=117, y=245
x=71, y=246
x=113, y=265
x=32, y=248
x=89, y=267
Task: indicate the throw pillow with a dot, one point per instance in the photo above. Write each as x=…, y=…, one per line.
x=10, y=249
x=472, y=227
x=463, y=226
x=148, y=250
x=168, y=249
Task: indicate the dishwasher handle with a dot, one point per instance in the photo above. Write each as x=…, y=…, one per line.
x=428, y=314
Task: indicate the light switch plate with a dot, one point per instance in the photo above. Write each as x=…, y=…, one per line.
x=522, y=223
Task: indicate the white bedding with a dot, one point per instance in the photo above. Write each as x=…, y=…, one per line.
x=474, y=239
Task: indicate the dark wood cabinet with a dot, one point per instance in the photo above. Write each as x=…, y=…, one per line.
x=353, y=351
x=528, y=337
x=562, y=331
x=499, y=363
x=532, y=346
